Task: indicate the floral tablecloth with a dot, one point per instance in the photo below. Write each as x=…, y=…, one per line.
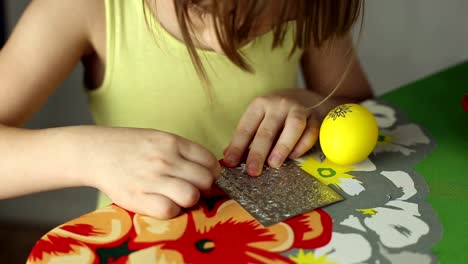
x=384, y=219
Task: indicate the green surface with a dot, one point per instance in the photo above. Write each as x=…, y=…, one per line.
x=435, y=103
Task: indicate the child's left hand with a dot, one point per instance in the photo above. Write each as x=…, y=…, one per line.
x=269, y=118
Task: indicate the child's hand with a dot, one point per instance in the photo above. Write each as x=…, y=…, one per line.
x=146, y=171
x=266, y=120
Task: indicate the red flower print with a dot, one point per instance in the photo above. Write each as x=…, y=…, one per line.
x=229, y=235
x=77, y=240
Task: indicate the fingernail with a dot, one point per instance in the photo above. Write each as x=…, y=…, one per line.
x=275, y=160
x=231, y=159
x=253, y=168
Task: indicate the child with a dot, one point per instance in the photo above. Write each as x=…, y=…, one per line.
x=171, y=84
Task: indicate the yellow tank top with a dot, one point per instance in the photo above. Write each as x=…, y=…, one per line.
x=150, y=81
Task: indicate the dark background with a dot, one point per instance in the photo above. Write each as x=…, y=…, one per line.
x=2, y=23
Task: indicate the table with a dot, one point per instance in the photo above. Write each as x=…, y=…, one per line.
x=435, y=103
x=385, y=215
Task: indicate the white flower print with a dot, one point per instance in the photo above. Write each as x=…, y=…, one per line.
x=353, y=221
x=397, y=223
x=405, y=257
x=346, y=248
x=401, y=139
x=399, y=227
x=384, y=115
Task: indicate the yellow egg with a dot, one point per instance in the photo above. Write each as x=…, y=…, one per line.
x=348, y=134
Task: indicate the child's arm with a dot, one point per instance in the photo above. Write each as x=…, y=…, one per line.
x=146, y=171
x=47, y=43
x=324, y=68
x=45, y=46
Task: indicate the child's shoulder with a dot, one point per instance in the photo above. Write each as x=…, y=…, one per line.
x=85, y=9
x=80, y=21
x=76, y=15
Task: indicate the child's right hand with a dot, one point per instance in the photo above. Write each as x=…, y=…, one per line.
x=145, y=171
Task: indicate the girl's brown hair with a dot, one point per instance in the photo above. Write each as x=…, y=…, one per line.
x=317, y=21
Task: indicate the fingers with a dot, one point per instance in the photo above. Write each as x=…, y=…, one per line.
x=197, y=175
x=177, y=190
x=308, y=138
x=260, y=126
x=198, y=155
x=244, y=134
x=155, y=205
x=261, y=144
x=294, y=127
